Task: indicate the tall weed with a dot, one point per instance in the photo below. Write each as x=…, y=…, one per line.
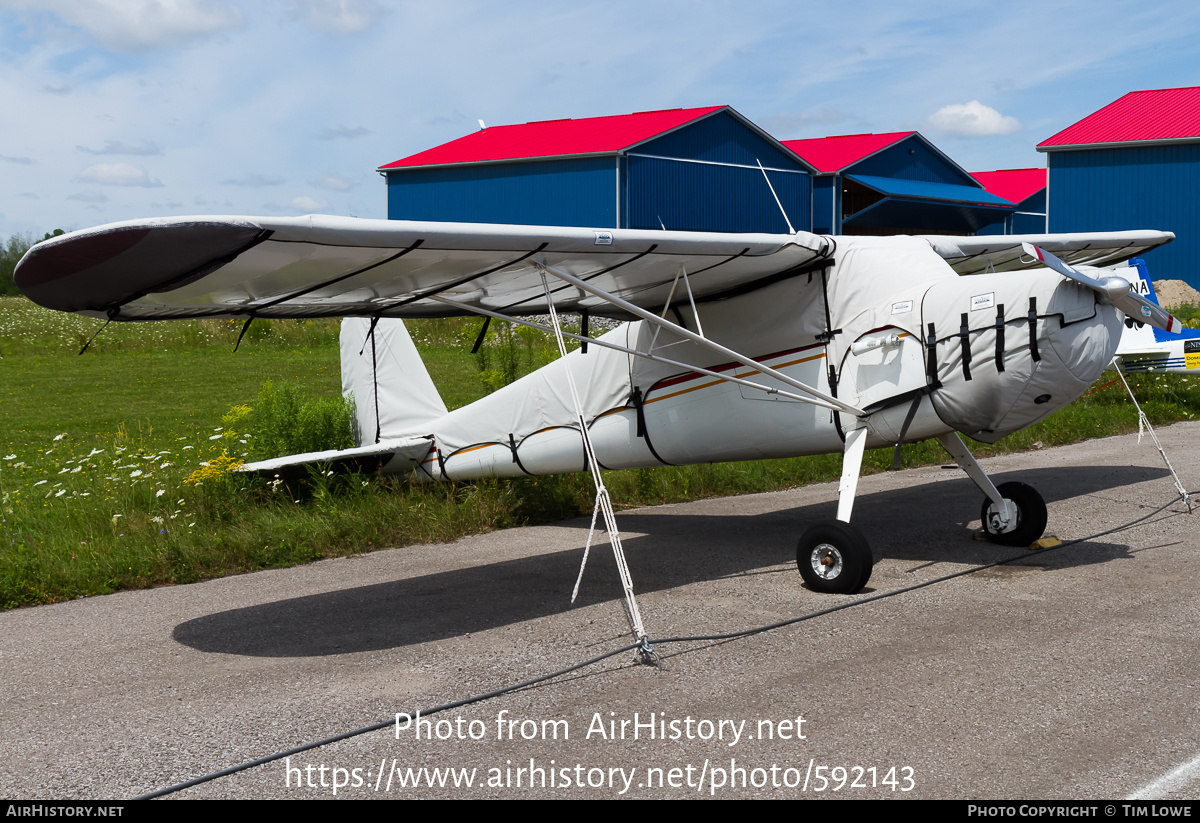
x=284, y=422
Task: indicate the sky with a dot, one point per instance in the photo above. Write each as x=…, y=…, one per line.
x=122, y=109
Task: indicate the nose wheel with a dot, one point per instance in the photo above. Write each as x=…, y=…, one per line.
x=834, y=558
x=1030, y=521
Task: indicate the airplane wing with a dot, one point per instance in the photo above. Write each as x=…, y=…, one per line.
x=1003, y=252
x=322, y=266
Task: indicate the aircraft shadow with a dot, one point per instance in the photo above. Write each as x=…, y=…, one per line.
x=671, y=550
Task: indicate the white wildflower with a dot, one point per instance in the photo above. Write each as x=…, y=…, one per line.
x=136, y=473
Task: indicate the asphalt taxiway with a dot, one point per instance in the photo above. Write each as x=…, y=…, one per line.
x=1067, y=674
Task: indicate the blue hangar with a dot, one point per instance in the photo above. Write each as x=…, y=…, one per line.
x=693, y=170
x=1134, y=164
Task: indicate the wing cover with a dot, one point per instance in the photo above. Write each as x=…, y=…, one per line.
x=319, y=266
x=976, y=255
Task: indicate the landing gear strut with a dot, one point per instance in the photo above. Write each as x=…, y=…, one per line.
x=834, y=557
x=1013, y=514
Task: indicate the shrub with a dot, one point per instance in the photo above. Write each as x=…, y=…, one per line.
x=284, y=423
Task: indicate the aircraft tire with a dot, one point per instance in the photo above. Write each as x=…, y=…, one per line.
x=1031, y=515
x=834, y=558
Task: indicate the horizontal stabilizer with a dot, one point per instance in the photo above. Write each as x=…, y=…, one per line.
x=387, y=456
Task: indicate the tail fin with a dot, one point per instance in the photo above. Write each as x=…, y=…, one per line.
x=1144, y=286
x=393, y=393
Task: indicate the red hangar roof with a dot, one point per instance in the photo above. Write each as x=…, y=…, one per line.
x=555, y=138
x=1013, y=185
x=1155, y=116
x=832, y=154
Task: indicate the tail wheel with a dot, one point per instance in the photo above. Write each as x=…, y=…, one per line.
x=1031, y=516
x=834, y=558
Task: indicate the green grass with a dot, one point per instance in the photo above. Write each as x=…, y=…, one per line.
x=1188, y=314
x=114, y=464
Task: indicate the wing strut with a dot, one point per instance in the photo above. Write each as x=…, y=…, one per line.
x=603, y=504
x=826, y=400
x=595, y=341
x=682, y=272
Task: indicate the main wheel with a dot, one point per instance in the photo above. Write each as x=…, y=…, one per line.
x=834, y=558
x=1031, y=515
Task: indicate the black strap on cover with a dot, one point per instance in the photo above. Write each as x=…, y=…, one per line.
x=512, y=444
x=97, y=334
x=1033, y=349
x=375, y=378
x=1000, y=338
x=487, y=321
x=931, y=355
x=245, y=326
x=636, y=400
x=964, y=332
x=908, y=419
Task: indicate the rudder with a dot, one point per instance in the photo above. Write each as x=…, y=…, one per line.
x=393, y=393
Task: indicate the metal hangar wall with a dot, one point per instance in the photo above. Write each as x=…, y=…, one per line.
x=894, y=183
x=679, y=169
x=1134, y=164
x=1026, y=188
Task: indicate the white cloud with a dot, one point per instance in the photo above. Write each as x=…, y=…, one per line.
x=117, y=174
x=973, y=120
x=332, y=182
x=117, y=147
x=337, y=16
x=139, y=26
x=308, y=204
x=89, y=197
x=343, y=131
x=255, y=180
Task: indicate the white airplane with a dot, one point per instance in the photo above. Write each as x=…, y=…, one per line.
x=738, y=346
x=1145, y=349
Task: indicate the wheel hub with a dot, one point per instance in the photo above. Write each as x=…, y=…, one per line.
x=826, y=561
x=998, y=526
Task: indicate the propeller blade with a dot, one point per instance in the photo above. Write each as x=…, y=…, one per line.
x=1115, y=290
